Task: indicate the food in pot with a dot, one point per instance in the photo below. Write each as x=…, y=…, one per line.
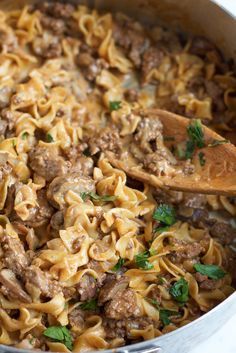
x=91, y=259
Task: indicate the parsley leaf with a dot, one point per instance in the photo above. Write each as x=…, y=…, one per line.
x=165, y=316
x=119, y=264
x=160, y=230
x=24, y=135
x=215, y=143
x=165, y=214
x=59, y=334
x=190, y=147
x=212, y=271
x=195, y=133
x=202, y=159
x=96, y=197
x=179, y=291
x=142, y=260
x=89, y=305
x=86, y=152
x=49, y=138
x=154, y=302
x=115, y=105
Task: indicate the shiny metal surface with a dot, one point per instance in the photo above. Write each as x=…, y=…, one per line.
x=203, y=17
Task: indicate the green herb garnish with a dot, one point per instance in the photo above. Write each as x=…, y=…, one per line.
x=165, y=214
x=89, y=305
x=115, y=105
x=96, y=197
x=86, y=152
x=49, y=138
x=215, y=143
x=160, y=230
x=211, y=271
x=119, y=264
x=195, y=133
x=24, y=135
x=190, y=147
x=154, y=302
x=59, y=334
x=179, y=291
x=202, y=159
x=165, y=316
x=142, y=260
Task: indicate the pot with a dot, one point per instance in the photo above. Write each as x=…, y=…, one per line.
x=202, y=17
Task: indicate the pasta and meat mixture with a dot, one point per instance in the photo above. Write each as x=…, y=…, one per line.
x=90, y=258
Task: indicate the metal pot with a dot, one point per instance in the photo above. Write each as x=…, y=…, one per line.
x=202, y=17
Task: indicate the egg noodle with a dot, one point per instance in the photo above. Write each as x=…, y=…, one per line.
x=91, y=259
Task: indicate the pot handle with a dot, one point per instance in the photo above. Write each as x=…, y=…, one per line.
x=144, y=350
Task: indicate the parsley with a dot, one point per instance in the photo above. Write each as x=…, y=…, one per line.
x=154, y=302
x=24, y=135
x=119, y=264
x=165, y=316
x=202, y=159
x=115, y=105
x=165, y=214
x=212, y=271
x=59, y=334
x=195, y=133
x=49, y=138
x=89, y=305
x=96, y=197
x=160, y=230
x=142, y=260
x=190, y=147
x=86, y=152
x=215, y=143
x=179, y=291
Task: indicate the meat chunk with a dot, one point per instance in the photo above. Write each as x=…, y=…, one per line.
x=39, y=283
x=47, y=163
x=90, y=66
x=84, y=165
x=206, y=283
x=122, y=328
x=181, y=250
x=111, y=288
x=200, y=46
x=47, y=47
x=72, y=182
x=77, y=319
x=194, y=200
x=56, y=9
x=148, y=130
x=123, y=305
x=41, y=214
x=57, y=220
x=152, y=58
x=12, y=288
x=14, y=256
x=224, y=232
x=200, y=217
x=106, y=140
x=87, y=288
x=56, y=26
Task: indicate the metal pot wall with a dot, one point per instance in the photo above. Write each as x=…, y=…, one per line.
x=202, y=17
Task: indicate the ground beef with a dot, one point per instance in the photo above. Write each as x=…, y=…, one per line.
x=39, y=282
x=41, y=214
x=224, y=233
x=131, y=95
x=47, y=163
x=206, y=283
x=148, y=130
x=112, y=287
x=47, y=47
x=56, y=26
x=14, y=255
x=200, y=46
x=106, y=140
x=12, y=288
x=87, y=288
x=181, y=250
x=152, y=58
x=194, y=200
x=91, y=67
x=56, y=9
x=61, y=185
x=57, y=220
x=83, y=164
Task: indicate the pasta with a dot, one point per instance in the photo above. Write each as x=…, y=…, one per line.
x=90, y=258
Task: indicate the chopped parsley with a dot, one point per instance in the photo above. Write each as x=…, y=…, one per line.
x=49, y=138
x=86, y=152
x=141, y=260
x=160, y=230
x=179, y=291
x=202, y=159
x=165, y=316
x=59, y=334
x=190, y=147
x=119, y=264
x=165, y=214
x=89, y=305
x=195, y=133
x=211, y=271
x=24, y=135
x=215, y=143
x=114, y=105
x=91, y=195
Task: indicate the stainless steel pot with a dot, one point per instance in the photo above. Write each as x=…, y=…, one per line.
x=202, y=17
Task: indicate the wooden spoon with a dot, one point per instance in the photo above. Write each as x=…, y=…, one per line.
x=217, y=176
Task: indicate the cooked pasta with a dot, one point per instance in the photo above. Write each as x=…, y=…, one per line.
x=90, y=258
